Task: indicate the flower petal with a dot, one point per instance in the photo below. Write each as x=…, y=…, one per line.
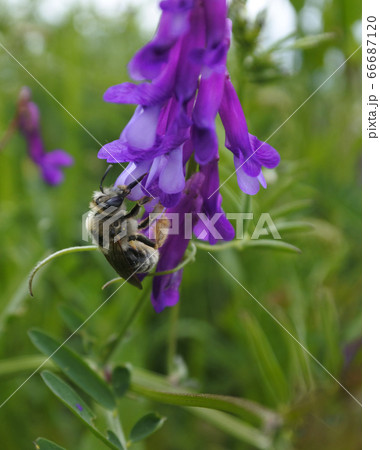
x=59, y=158
x=249, y=185
x=51, y=166
x=266, y=154
x=212, y=201
x=250, y=165
x=205, y=143
x=172, y=178
x=188, y=69
x=216, y=13
x=51, y=174
x=114, y=152
x=168, y=291
x=141, y=129
x=155, y=170
x=214, y=232
x=233, y=119
x=169, y=200
x=262, y=180
x=149, y=62
x=144, y=94
x=132, y=173
x=165, y=288
x=208, y=101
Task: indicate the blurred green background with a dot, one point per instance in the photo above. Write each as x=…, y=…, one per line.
x=225, y=343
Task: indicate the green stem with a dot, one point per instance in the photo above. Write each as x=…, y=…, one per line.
x=13, y=366
x=157, y=387
x=113, y=421
x=246, y=242
x=14, y=305
x=172, y=338
x=243, y=408
x=234, y=427
x=65, y=251
x=106, y=416
x=8, y=134
x=116, y=343
x=189, y=258
x=191, y=167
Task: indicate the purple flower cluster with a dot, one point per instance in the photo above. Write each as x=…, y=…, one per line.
x=184, y=85
x=28, y=122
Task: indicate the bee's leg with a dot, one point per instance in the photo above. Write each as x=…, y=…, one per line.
x=133, y=212
x=136, y=209
x=143, y=239
x=144, y=223
x=162, y=226
x=144, y=200
x=147, y=222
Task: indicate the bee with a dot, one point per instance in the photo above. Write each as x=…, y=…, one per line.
x=118, y=233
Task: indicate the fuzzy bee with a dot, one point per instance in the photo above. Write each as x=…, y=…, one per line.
x=118, y=234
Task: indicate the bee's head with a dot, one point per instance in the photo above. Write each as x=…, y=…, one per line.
x=112, y=196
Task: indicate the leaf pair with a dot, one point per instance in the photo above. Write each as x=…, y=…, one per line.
x=80, y=373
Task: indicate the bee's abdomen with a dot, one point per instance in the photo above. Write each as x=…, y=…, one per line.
x=142, y=259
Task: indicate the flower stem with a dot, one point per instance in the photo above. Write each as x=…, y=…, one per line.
x=113, y=421
x=115, y=343
x=172, y=339
x=247, y=242
x=191, y=167
x=8, y=134
x=83, y=248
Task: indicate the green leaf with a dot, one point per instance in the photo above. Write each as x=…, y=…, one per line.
x=290, y=208
x=326, y=309
x=271, y=370
x=45, y=444
x=75, y=403
x=143, y=379
x=311, y=41
x=74, y=368
x=146, y=426
x=111, y=436
x=121, y=380
x=298, y=4
x=67, y=394
x=294, y=227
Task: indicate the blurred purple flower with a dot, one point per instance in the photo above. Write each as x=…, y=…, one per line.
x=28, y=122
x=184, y=85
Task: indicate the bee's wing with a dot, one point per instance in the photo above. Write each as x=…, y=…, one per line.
x=118, y=259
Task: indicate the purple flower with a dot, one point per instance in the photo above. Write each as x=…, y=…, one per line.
x=165, y=290
x=183, y=85
x=28, y=122
x=250, y=154
x=214, y=224
x=151, y=59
